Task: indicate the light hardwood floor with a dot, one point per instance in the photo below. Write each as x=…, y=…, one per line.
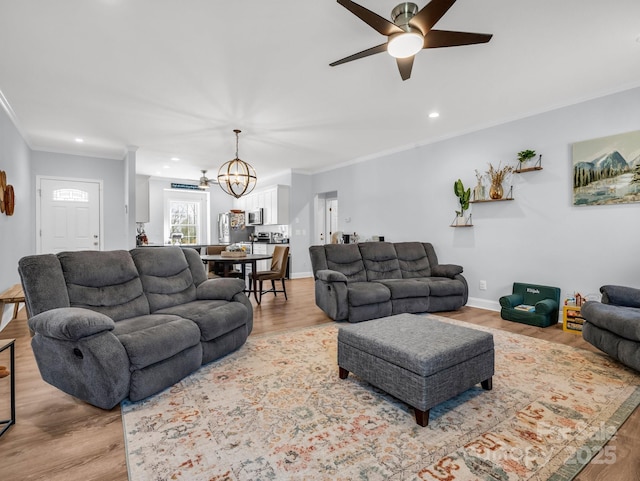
x=60, y=438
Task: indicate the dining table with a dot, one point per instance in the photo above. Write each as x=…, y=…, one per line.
x=228, y=262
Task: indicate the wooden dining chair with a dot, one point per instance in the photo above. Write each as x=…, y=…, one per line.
x=216, y=269
x=278, y=271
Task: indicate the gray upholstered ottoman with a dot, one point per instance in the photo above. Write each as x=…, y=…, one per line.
x=419, y=360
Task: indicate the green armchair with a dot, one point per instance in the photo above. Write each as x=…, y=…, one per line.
x=544, y=302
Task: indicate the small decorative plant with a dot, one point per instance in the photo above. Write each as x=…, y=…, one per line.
x=525, y=155
x=462, y=195
x=497, y=175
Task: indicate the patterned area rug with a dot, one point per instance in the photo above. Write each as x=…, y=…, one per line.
x=277, y=410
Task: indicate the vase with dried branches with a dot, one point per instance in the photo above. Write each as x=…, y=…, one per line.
x=497, y=175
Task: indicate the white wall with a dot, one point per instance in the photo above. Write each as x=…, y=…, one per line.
x=111, y=172
x=300, y=216
x=540, y=237
x=16, y=231
x=219, y=202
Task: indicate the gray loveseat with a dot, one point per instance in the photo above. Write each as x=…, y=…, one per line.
x=358, y=282
x=116, y=324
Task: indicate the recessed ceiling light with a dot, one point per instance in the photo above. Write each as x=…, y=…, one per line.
x=79, y=140
x=434, y=115
x=166, y=166
x=175, y=159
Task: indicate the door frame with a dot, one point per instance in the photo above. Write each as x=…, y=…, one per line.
x=38, y=226
x=321, y=201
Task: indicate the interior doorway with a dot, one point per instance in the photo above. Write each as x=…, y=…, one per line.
x=326, y=216
x=68, y=215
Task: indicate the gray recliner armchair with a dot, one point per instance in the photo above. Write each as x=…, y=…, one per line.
x=613, y=325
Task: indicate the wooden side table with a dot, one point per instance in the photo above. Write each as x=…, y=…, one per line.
x=572, y=320
x=4, y=345
x=13, y=295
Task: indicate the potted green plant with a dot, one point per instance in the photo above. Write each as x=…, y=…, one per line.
x=463, y=198
x=524, y=156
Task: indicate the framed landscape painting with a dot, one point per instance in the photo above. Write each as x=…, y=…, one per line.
x=607, y=170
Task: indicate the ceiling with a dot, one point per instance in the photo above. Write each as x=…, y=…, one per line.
x=174, y=78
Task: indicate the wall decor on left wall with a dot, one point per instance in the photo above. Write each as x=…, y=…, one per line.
x=7, y=196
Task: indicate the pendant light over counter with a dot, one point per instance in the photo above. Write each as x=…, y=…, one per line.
x=237, y=177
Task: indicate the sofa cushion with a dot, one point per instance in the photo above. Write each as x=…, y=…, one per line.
x=443, y=286
x=362, y=293
x=214, y=318
x=155, y=337
x=165, y=275
x=413, y=259
x=104, y=281
x=346, y=258
x=380, y=260
x=403, y=288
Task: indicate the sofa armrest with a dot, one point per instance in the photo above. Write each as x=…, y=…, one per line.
x=70, y=323
x=511, y=301
x=219, y=289
x=328, y=275
x=446, y=270
x=621, y=320
x=546, y=306
x=620, y=296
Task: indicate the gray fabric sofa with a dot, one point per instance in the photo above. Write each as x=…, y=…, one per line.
x=358, y=282
x=115, y=324
x=613, y=325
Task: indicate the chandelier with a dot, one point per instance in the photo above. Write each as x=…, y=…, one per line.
x=236, y=177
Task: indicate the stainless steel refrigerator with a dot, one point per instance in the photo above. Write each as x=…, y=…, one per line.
x=232, y=228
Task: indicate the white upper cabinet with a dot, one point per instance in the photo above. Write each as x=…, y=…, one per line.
x=273, y=200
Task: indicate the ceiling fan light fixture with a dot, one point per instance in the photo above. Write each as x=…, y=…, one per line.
x=403, y=45
x=204, y=181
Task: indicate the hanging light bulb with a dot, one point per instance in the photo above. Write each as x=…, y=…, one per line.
x=236, y=177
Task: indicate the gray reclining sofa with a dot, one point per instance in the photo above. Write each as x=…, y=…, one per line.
x=358, y=282
x=613, y=325
x=115, y=324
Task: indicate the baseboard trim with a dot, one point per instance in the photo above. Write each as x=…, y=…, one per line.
x=300, y=275
x=483, y=304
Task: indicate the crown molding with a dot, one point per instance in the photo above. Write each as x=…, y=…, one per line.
x=14, y=119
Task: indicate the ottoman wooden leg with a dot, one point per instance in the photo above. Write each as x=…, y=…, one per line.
x=343, y=372
x=422, y=417
x=487, y=384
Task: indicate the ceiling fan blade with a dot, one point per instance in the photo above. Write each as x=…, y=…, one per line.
x=364, y=53
x=405, y=65
x=375, y=21
x=426, y=18
x=447, y=38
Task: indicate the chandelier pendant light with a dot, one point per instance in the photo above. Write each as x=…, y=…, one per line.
x=237, y=177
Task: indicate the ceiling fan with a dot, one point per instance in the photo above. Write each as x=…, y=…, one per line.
x=410, y=32
x=205, y=181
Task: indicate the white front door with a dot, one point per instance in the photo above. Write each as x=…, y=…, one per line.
x=68, y=215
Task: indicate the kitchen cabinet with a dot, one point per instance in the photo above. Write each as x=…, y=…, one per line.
x=276, y=205
x=263, y=249
x=273, y=200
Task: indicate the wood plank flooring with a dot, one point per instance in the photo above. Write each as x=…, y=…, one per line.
x=60, y=438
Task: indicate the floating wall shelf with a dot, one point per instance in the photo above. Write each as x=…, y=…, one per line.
x=489, y=200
